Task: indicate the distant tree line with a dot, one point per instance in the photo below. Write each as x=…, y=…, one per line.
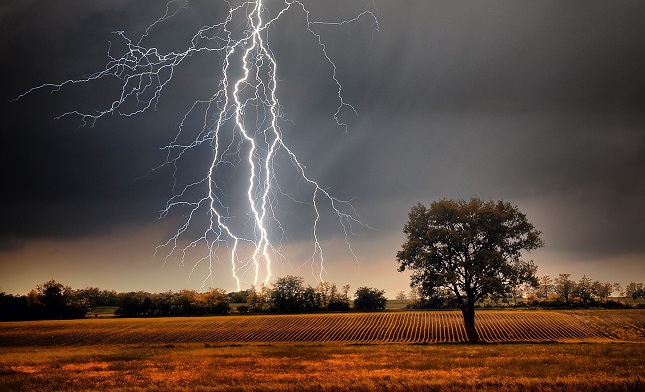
x=289, y=295
x=53, y=300
x=561, y=291
x=182, y=303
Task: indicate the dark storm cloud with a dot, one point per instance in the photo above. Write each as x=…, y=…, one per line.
x=465, y=56
x=521, y=101
x=540, y=103
x=58, y=182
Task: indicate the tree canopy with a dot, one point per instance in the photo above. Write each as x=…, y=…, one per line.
x=472, y=248
x=369, y=298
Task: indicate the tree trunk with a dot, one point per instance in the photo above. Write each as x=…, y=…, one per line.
x=469, y=321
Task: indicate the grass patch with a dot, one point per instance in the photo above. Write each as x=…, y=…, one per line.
x=328, y=367
x=101, y=311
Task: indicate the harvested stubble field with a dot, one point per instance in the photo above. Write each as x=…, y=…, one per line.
x=352, y=351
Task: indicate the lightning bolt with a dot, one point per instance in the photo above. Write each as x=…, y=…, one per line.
x=240, y=124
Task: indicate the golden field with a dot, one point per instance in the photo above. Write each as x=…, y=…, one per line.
x=600, y=350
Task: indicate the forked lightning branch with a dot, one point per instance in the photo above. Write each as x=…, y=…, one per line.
x=239, y=226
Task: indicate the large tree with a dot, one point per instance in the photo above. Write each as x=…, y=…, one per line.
x=472, y=248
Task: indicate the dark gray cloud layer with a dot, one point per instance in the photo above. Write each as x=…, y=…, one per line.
x=539, y=103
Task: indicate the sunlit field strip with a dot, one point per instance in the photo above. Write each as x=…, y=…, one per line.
x=597, y=367
x=377, y=327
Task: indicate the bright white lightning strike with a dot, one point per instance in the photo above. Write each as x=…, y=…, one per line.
x=241, y=127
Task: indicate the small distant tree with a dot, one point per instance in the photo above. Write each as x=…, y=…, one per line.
x=346, y=292
x=93, y=296
x=58, y=301
x=325, y=293
x=252, y=298
x=602, y=290
x=545, y=286
x=51, y=294
x=312, y=302
x=584, y=290
x=337, y=301
x=288, y=294
x=338, y=305
x=258, y=299
x=368, y=298
x=471, y=248
x=32, y=299
x=618, y=288
x=243, y=309
x=217, y=301
x=187, y=302
x=400, y=296
x=634, y=291
x=565, y=287
x=517, y=291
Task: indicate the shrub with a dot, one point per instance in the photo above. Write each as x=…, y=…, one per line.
x=243, y=309
x=338, y=306
x=368, y=298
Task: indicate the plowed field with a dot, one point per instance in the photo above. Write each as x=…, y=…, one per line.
x=385, y=327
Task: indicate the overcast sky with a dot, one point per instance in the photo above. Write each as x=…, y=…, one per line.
x=541, y=104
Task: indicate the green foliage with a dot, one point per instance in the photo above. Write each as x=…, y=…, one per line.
x=368, y=298
x=472, y=248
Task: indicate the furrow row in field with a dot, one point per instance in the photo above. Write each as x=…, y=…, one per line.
x=484, y=329
x=411, y=327
x=520, y=328
x=412, y=332
x=495, y=331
